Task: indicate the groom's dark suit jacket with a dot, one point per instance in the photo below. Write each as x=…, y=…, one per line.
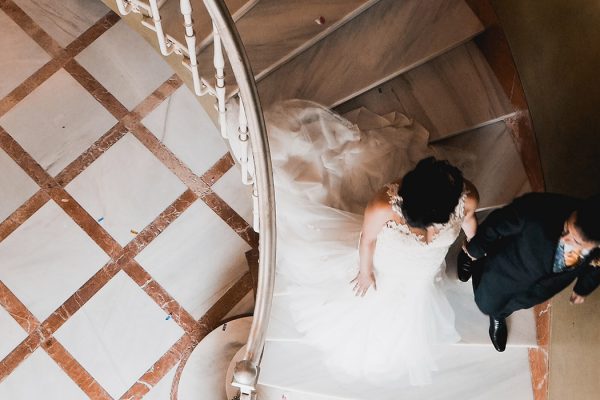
x=517, y=245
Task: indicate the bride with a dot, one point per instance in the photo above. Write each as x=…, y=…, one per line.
x=365, y=290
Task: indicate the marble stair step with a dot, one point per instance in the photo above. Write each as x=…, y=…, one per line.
x=292, y=370
x=488, y=157
x=471, y=324
x=455, y=92
x=388, y=39
x=274, y=31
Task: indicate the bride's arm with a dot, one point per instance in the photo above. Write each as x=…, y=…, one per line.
x=377, y=213
x=469, y=225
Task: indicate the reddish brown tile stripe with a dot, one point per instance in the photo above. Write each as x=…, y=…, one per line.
x=161, y=152
x=20, y=354
x=60, y=59
x=179, y=350
x=91, y=154
x=76, y=372
x=17, y=310
x=22, y=213
x=96, y=89
x=252, y=259
x=538, y=362
x=31, y=28
x=25, y=161
x=157, y=97
x=92, y=33
x=233, y=219
x=86, y=221
x=160, y=296
x=160, y=223
x=219, y=310
x=219, y=169
x=80, y=297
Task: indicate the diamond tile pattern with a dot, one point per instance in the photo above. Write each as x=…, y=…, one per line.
x=21, y=56
x=38, y=377
x=64, y=20
x=47, y=259
x=119, y=334
x=125, y=64
x=185, y=258
x=187, y=131
x=57, y=132
x=126, y=188
x=15, y=185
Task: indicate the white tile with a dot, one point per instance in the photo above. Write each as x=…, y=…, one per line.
x=11, y=333
x=244, y=307
x=183, y=126
x=162, y=390
x=196, y=259
x=15, y=185
x=239, y=196
x=119, y=334
x=64, y=20
x=39, y=377
x=125, y=64
x=55, y=132
x=21, y=56
x=127, y=186
x=45, y=260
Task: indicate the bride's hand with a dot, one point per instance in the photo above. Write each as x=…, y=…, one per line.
x=363, y=282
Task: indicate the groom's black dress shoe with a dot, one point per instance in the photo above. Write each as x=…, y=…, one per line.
x=464, y=265
x=498, y=333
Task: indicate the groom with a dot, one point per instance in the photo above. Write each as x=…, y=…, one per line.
x=526, y=252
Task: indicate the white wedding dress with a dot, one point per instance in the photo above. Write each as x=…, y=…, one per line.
x=326, y=168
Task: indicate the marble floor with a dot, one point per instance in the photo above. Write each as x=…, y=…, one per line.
x=114, y=184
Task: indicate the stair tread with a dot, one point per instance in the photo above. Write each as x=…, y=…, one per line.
x=470, y=373
x=455, y=92
x=275, y=30
x=357, y=50
x=492, y=162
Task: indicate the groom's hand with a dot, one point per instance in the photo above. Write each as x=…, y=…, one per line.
x=464, y=265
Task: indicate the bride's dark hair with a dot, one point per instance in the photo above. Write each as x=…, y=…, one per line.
x=430, y=192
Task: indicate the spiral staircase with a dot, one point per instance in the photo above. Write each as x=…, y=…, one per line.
x=419, y=57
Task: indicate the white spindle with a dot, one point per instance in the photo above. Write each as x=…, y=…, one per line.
x=160, y=35
x=190, y=41
x=219, y=62
x=255, y=208
x=243, y=138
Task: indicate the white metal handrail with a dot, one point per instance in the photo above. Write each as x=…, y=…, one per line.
x=251, y=133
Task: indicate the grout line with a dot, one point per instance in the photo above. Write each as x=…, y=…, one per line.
x=74, y=370
x=24, y=160
x=96, y=89
x=20, y=353
x=22, y=214
x=60, y=59
x=182, y=348
x=32, y=29
x=90, y=155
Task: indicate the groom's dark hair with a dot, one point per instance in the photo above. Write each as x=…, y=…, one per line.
x=430, y=192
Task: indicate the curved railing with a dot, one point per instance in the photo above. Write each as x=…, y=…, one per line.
x=256, y=170
x=246, y=371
